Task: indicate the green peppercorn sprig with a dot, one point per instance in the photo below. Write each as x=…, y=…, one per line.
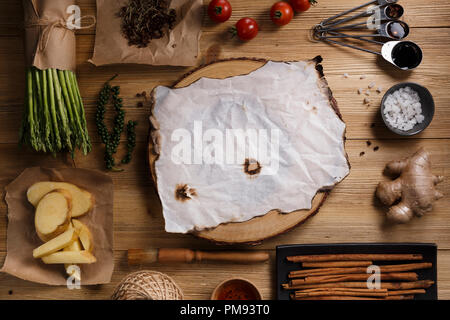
x=112, y=140
x=118, y=120
x=131, y=141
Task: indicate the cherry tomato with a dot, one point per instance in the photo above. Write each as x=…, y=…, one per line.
x=219, y=10
x=281, y=13
x=246, y=29
x=302, y=5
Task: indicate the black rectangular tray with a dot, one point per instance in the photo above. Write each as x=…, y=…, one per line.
x=428, y=250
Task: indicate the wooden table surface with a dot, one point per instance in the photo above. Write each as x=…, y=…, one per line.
x=350, y=214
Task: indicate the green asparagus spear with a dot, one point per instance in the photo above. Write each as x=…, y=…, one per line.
x=40, y=110
x=69, y=103
x=49, y=135
x=74, y=84
x=37, y=118
x=64, y=121
x=31, y=120
x=77, y=123
x=51, y=94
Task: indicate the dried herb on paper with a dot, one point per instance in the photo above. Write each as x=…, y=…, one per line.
x=145, y=20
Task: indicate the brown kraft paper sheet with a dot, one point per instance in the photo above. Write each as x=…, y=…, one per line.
x=179, y=48
x=49, y=43
x=22, y=237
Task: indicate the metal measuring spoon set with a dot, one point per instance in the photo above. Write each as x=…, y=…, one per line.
x=382, y=18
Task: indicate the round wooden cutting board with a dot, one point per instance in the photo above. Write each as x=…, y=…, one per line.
x=259, y=228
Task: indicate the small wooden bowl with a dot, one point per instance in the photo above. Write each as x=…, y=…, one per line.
x=243, y=290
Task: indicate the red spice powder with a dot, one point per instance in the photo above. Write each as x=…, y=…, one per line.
x=235, y=290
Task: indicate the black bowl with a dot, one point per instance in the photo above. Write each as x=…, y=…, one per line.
x=426, y=99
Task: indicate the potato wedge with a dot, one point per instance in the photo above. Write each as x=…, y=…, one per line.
x=85, y=235
x=53, y=214
x=82, y=201
x=74, y=246
x=56, y=244
x=70, y=270
x=69, y=257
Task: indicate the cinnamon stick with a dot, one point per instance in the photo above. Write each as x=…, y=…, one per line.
x=293, y=297
x=406, y=276
x=421, y=284
x=405, y=297
x=338, y=271
x=356, y=290
x=353, y=257
x=336, y=264
x=403, y=292
x=344, y=292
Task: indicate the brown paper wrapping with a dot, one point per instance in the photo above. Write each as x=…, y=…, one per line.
x=48, y=42
x=179, y=48
x=22, y=237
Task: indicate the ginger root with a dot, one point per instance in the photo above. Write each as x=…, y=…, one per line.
x=414, y=188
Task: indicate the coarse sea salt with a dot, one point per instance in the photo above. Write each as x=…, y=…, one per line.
x=402, y=109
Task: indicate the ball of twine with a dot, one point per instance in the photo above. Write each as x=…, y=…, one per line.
x=147, y=285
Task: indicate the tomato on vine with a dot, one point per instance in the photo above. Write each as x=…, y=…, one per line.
x=302, y=5
x=246, y=29
x=281, y=13
x=219, y=10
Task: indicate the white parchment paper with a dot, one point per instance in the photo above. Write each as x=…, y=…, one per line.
x=288, y=107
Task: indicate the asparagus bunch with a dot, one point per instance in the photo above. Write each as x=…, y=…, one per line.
x=54, y=118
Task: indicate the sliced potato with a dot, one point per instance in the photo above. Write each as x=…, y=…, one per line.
x=69, y=257
x=82, y=200
x=85, y=203
x=63, y=240
x=53, y=214
x=84, y=234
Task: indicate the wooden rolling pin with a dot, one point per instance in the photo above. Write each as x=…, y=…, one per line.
x=165, y=255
